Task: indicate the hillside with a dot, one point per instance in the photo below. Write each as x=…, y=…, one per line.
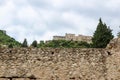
x=6, y=40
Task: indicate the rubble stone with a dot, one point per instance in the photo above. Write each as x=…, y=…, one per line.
x=60, y=63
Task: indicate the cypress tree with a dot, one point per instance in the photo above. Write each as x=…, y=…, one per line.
x=34, y=43
x=102, y=35
x=24, y=44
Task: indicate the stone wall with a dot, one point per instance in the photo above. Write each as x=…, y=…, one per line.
x=53, y=64
x=114, y=44
x=60, y=64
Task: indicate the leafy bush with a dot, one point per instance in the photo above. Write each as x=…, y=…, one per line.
x=65, y=44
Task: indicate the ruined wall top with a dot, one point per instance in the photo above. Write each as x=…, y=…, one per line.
x=114, y=44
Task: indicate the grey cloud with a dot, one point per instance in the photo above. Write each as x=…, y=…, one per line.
x=2, y=2
x=59, y=24
x=39, y=3
x=45, y=17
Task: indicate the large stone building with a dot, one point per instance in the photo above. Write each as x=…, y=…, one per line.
x=74, y=38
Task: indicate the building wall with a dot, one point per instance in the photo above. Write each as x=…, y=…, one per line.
x=58, y=38
x=70, y=36
x=73, y=37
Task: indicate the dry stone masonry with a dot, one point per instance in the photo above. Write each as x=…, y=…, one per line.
x=60, y=64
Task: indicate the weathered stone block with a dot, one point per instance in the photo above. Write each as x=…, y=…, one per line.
x=20, y=79
x=3, y=79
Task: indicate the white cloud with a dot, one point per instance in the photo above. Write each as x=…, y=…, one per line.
x=5, y=12
x=48, y=35
x=42, y=19
x=113, y=5
x=80, y=22
x=27, y=14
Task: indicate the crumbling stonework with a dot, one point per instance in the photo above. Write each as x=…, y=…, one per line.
x=57, y=64
x=60, y=64
x=114, y=44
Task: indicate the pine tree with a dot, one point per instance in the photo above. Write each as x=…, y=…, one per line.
x=24, y=44
x=34, y=43
x=102, y=35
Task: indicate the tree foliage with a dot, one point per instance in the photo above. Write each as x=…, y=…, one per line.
x=34, y=43
x=102, y=35
x=7, y=40
x=41, y=44
x=10, y=46
x=64, y=44
x=25, y=44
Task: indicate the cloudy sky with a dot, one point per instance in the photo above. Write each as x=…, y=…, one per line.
x=42, y=19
